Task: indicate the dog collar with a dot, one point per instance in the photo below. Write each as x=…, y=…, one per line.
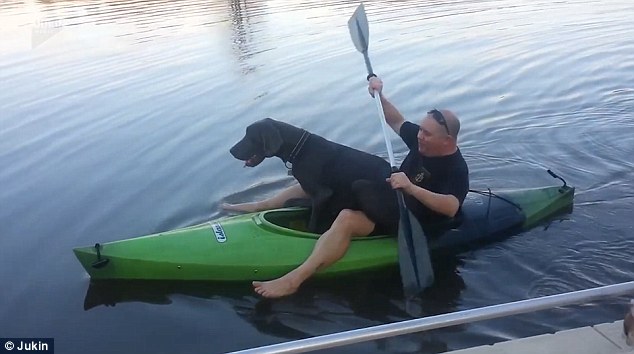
x=298, y=147
x=296, y=150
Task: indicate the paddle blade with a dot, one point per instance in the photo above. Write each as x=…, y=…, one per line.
x=414, y=260
x=359, y=29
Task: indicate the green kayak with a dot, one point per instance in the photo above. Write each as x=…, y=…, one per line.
x=267, y=244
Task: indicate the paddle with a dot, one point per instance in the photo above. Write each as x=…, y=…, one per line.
x=413, y=253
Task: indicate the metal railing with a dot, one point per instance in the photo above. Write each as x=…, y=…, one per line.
x=445, y=320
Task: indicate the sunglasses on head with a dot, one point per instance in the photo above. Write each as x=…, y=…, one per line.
x=438, y=117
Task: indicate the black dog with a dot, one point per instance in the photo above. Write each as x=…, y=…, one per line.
x=336, y=177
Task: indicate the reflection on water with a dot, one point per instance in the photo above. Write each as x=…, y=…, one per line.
x=116, y=117
x=322, y=306
x=141, y=21
x=243, y=36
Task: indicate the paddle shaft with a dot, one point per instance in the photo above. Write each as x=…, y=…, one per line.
x=388, y=142
x=404, y=213
x=413, y=267
x=377, y=96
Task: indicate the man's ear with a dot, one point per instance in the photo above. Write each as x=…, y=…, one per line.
x=271, y=137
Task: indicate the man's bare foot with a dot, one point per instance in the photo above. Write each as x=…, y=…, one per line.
x=275, y=288
x=242, y=207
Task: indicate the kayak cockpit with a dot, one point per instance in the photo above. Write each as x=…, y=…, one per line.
x=292, y=222
x=288, y=218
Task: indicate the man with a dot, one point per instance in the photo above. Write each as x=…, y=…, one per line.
x=435, y=176
x=434, y=179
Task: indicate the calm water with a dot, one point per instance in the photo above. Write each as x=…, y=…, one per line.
x=117, y=116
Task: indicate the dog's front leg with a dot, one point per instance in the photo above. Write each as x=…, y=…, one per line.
x=319, y=216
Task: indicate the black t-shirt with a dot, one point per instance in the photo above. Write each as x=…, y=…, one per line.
x=444, y=175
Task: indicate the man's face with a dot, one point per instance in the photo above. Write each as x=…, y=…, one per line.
x=432, y=137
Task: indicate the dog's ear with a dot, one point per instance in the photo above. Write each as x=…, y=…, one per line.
x=271, y=137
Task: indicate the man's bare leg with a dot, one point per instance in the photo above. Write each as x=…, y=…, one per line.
x=276, y=201
x=330, y=247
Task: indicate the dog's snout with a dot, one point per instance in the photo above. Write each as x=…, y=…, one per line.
x=233, y=151
x=245, y=149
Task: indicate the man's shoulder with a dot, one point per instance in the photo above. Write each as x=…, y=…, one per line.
x=408, y=132
x=407, y=125
x=461, y=159
x=457, y=157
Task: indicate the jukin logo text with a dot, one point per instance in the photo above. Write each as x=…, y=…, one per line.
x=27, y=346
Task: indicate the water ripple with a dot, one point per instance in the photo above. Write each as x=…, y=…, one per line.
x=117, y=120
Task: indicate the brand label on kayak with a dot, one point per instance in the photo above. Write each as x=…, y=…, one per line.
x=219, y=232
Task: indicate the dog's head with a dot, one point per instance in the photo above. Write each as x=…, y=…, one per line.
x=262, y=140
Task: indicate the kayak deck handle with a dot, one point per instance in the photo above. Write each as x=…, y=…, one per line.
x=100, y=262
x=554, y=175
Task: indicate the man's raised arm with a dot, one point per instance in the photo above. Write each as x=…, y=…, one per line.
x=393, y=117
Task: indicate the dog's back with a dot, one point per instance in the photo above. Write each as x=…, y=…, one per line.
x=353, y=179
x=326, y=170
